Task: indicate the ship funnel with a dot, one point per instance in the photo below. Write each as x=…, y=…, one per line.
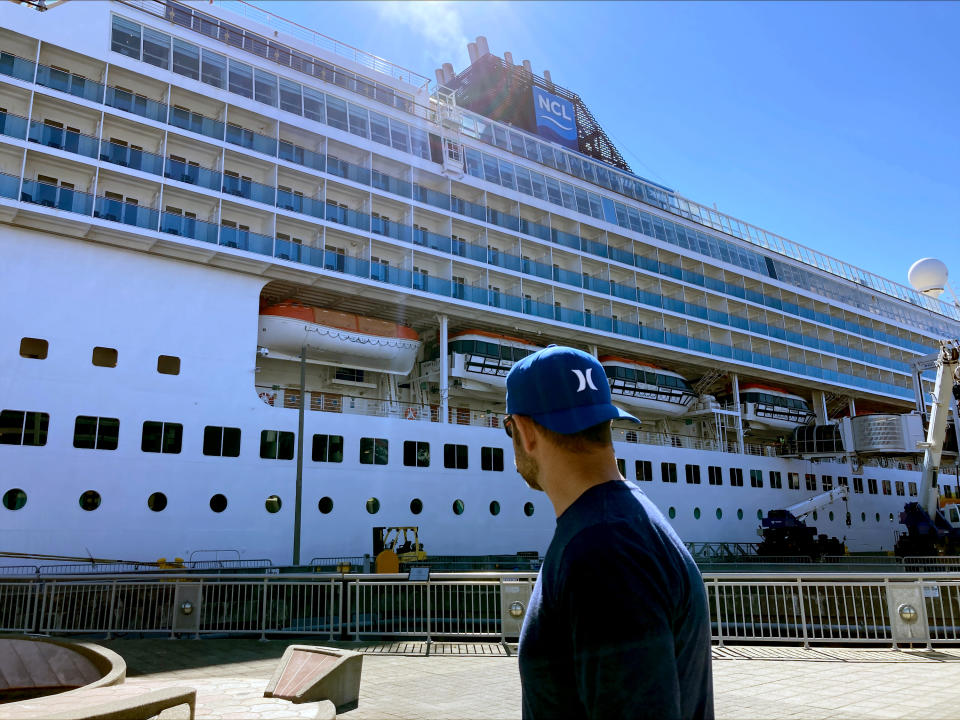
x=472, y=52
x=438, y=73
x=482, y=46
x=448, y=73
x=508, y=58
x=527, y=66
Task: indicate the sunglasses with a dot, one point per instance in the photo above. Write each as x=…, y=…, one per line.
x=507, y=422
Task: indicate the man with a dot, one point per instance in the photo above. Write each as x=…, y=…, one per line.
x=617, y=625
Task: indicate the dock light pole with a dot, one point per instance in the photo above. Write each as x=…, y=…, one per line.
x=298, y=501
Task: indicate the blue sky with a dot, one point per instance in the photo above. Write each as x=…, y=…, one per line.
x=832, y=124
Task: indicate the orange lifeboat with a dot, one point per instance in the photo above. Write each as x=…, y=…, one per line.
x=333, y=337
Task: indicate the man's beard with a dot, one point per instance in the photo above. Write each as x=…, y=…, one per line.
x=527, y=466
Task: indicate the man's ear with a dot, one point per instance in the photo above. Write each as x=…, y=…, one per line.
x=526, y=429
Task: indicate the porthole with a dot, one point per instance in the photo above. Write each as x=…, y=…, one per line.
x=831, y=516
x=849, y=518
x=325, y=505
x=218, y=503
x=863, y=517
x=719, y=513
x=696, y=513
x=672, y=512
x=759, y=514
x=814, y=515
x=528, y=509
x=373, y=506
x=739, y=513
x=416, y=506
x=458, y=507
x=14, y=499
x=878, y=517
x=273, y=504
x=494, y=508
x=90, y=500
x=157, y=501
x=891, y=517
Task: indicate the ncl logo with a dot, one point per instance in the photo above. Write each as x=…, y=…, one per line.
x=557, y=111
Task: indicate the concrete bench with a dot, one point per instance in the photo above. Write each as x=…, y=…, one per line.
x=117, y=702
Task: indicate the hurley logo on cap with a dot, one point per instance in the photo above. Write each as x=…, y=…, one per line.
x=541, y=387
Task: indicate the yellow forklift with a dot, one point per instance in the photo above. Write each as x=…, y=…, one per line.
x=389, y=551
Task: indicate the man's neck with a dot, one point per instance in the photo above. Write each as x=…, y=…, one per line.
x=567, y=476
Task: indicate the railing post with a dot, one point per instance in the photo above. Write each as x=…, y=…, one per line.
x=503, y=632
x=43, y=607
x=429, y=615
x=263, y=611
x=113, y=603
x=716, y=598
x=356, y=631
x=803, y=613
x=34, y=618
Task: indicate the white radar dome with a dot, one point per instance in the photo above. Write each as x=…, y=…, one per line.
x=928, y=276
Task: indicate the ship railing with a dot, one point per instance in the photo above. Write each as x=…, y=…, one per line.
x=795, y=607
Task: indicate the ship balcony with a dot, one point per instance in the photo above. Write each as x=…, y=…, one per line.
x=338, y=213
x=56, y=196
x=16, y=67
x=246, y=188
x=131, y=156
x=468, y=208
x=250, y=139
x=189, y=227
x=431, y=190
x=14, y=126
x=302, y=156
x=391, y=184
x=192, y=174
x=338, y=261
x=537, y=268
x=296, y=201
x=347, y=170
x=63, y=138
x=195, y=122
x=422, y=236
x=382, y=225
x=70, y=73
x=242, y=238
x=296, y=251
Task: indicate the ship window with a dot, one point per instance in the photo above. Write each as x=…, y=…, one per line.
x=90, y=500
x=337, y=113
x=266, y=88
x=811, y=480
x=161, y=437
x=14, y=499
x=33, y=348
x=756, y=478
x=644, y=470
x=877, y=517
x=213, y=71
x=126, y=37
x=827, y=482
x=221, y=441
x=912, y=488
x=218, y=503
x=186, y=59
x=325, y=505
x=736, y=477
x=373, y=451
x=358, y=120
x=276, y=445
x=19, y=427
x=696, y=513
x=327, y=448
x=379, y=128
x=104, y=357
x=416, y=454
x=455, y=456
x=863, y=517
x=241, y=79
x=168, y=365
x=156, y=48
x=96, y=433
x=157, y=502
x=528, y=509
x=373, y=505
x=793, y=481
x=622, y=466
x=841, y=481
x=668, y=472
x=313, y=105
x=672, y=512
x=348, y=374
x=947, y=491
x=858, y=485
x=900, y=488
x=491, y=458
x=776, y=480
x=715, y=475
x=273, y=504
x=739, y=513
x=693, y=474
x=872, y=486
x=458, y=507
x=887, y=488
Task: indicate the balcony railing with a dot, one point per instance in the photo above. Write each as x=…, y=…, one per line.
x=250, y=190
x=345, y=216
x=127, y=213
x=137, y=105
x=347, y=170
x=16, y=67
x=431, y=197
x=189, y=227
x=431, y=240
x=251, y=140
x=390, y=184
x=67, y=82
x=298, y=203
x=62, y=139
x=246, y=240
x=131, y=157
x=301, y=156
x=13, y=125
x=193, y=174
x=53, y=196
x=197, y=123
x=9, y=184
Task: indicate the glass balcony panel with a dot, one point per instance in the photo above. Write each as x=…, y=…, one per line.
x=298, y=203
x=302, y=156
x=567, y=277
x=437, y=286
x=391, y=184
x=56, y=197
x=622, y=327
x=502, y=259
x=345, y=216
x=465, y=207
x=469, y=250
x=596, y=284
x=131, y=158
x=599, y=322
x=17, y=67
x=431, y=197
x=195, y=122
x=9, y=184
x=64, y=139
x=535, y=307
x=193, y=174
x=13, y=125
x=69, y=83
x=251, y=140
x=566, y=239
x=249, y=189
x=649, y=298
x=126, y=213
x=574, y=317
x=246, y=240
x=431, y=240
x=144, y=107
x=625, y=292
x=542, y=270
x=504, y=220
x=349, y=171
x=471, y=293
x=536, y=229
x=188, y=227
x=396, y=230
x=624, y=256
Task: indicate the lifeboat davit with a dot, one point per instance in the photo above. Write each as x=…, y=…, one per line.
x=480, y=360
x=772, y=408
x=647, y=387
x=337, y=338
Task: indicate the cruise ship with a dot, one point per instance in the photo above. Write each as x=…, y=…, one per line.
x=260, y=291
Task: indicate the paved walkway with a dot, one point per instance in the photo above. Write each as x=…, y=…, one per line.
x=467, y=681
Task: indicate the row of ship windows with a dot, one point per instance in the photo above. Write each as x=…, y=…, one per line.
x=16, y=498
x=19, y=427
x=643, y=471
x=38, y=349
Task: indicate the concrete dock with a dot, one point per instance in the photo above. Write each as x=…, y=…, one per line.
x=467, y=681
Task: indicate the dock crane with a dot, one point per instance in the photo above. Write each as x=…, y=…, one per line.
x=930, y=530
x=786, y=533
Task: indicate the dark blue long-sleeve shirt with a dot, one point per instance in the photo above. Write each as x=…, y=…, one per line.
x=617, y=625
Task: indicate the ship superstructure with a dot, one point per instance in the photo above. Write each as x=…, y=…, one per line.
x=210, y=220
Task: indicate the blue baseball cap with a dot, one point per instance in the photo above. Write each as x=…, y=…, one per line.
x=563, y=389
